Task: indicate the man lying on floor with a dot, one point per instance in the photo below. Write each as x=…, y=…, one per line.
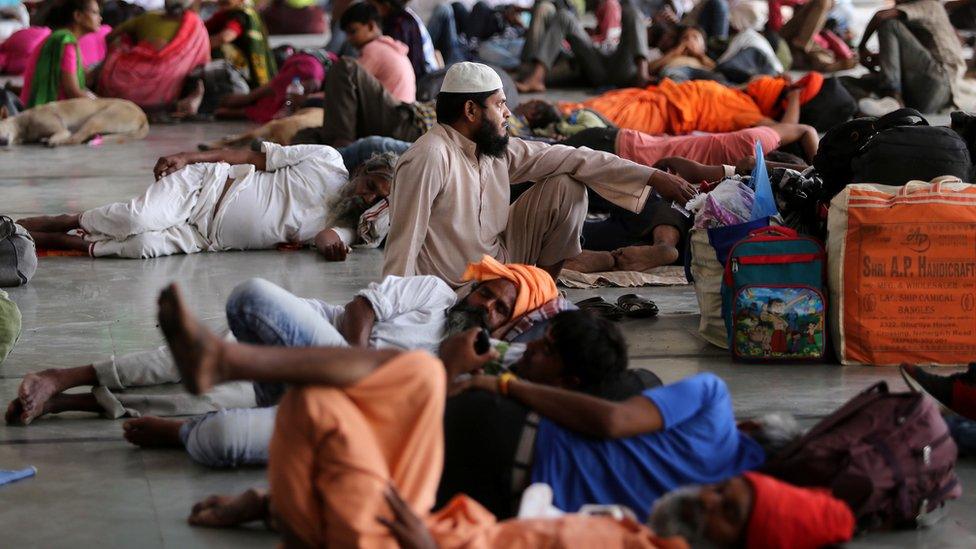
x=358, y=421
x=512, y=301
x=229, y=200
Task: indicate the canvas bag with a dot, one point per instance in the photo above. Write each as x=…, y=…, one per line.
x=18, y=258
x=709, y=249
x=10, y=325
x=901, y=266
x=889, y=456
x=773, y=297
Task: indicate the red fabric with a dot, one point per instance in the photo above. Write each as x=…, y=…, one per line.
x=15, y=52
x=788, y=517
x=964, y=399
x=152, y=78
x=303, y=66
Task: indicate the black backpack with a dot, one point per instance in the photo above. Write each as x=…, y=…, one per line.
x=832, y=106
x=837, y=150
x=905, y=148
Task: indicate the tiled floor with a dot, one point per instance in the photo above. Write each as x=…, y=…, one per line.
x=94, y=489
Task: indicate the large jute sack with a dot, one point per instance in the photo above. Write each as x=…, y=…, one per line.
x=709, y=250
x=707, y=273
x=902, y=273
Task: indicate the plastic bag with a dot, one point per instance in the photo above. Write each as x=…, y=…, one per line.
x=765, y=204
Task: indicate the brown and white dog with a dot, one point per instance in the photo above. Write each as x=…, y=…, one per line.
x=280, y=131
x=73, y=122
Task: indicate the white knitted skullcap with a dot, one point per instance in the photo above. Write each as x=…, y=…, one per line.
x=468, y=77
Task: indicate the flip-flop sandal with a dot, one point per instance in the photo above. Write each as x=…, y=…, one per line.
x=601, y=307
x=635, y=306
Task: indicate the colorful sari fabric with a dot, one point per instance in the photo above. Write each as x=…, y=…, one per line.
x=252, y=52
x=45, y=85
x=676, y=108
x=151, y=78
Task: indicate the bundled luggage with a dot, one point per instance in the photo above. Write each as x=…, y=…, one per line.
x=889, y=456
x=902, y=273
x=18, y=257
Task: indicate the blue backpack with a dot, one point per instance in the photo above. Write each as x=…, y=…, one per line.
x=773, y=298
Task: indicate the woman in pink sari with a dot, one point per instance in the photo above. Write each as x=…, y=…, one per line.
x=153, y=56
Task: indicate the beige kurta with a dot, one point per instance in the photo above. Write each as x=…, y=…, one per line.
x=448, y=206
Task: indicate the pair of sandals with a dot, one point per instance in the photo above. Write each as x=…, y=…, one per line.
x=629, y=305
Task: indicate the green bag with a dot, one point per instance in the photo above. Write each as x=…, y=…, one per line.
x=9, y=325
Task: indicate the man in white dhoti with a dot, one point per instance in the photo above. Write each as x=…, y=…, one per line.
x=228, y=200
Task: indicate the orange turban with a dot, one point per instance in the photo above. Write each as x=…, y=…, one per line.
x=789, y=517
x=535, y=286
x=766, y=91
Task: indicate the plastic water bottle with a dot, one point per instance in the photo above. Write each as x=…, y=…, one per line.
x=294, y=91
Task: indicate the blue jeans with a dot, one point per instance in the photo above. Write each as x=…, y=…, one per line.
x=963, y=432
x=259, y=312
x=502, y=52
x=444, y=34
x=360, y=150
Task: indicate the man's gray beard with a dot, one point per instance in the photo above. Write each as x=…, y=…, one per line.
x=668, y=517
x=346, y=209
x=461, y=318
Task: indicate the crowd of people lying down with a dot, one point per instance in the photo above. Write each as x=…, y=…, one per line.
x=461, y=400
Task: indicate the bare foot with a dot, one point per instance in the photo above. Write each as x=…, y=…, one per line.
x=644, y=258
x=590, y=262
x=189, y=105
x=196, y=351
x=51, y=223
x=227, y=511
x=34, y=392
x=153, y=432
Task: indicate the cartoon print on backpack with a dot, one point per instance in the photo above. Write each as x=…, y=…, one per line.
x=775, y=322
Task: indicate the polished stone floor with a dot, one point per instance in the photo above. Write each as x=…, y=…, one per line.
x=94, y=489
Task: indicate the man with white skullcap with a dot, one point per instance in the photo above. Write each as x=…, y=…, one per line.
x=451, y=190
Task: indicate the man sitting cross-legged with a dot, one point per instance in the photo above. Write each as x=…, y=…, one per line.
x=450, y=200
x=228, y=200
x=357, y=421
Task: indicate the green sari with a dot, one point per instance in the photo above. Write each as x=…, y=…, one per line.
x=46, y=82
x=253, y=46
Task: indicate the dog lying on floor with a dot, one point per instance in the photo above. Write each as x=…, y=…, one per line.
x=73, y=122
x=280, y=131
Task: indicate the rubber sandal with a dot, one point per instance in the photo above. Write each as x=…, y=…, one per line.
x=601, y=307
x=635, y=306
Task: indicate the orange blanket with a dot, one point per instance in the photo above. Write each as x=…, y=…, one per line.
x=465, y=523
x=676, y=108
x=151, y=78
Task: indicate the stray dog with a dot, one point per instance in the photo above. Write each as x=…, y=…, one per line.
x=74, y=122
x=280, y=131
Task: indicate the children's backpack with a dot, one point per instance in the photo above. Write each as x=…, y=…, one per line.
x=773, y=298
x=889, y=456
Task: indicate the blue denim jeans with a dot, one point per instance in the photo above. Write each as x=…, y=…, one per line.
x=360, y=150
x=963, y=432
x=261, y=313
x=444, y=34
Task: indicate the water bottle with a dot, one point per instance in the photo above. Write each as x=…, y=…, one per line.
x=294, y=91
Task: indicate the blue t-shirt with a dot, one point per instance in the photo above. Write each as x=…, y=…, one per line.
x=699, y=444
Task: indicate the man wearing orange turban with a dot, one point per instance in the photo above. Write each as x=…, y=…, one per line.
x=754, y=511
x=534, y=286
